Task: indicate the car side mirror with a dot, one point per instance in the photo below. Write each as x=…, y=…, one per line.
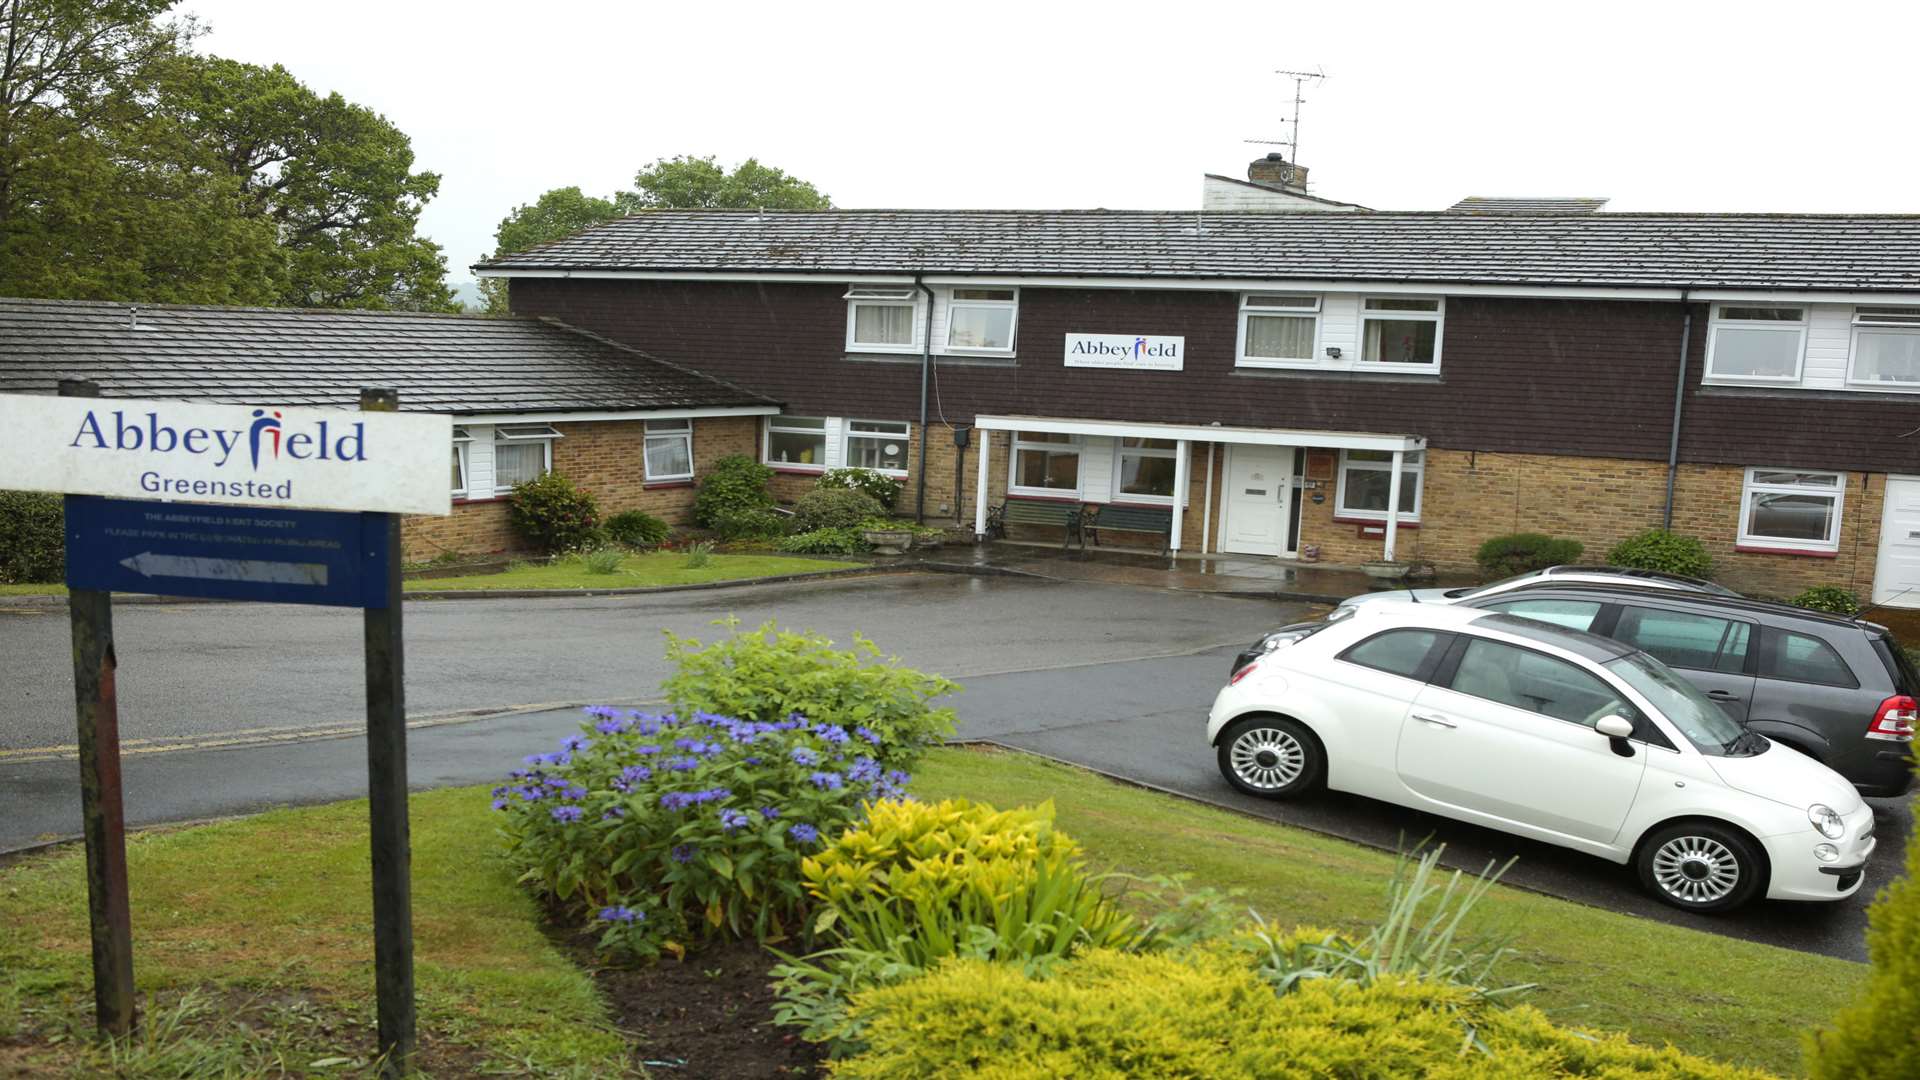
x=1617, y=729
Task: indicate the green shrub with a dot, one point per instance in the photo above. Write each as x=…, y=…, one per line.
x=1517, y=553
x=1829, y=598
x=1658, y=549
x=748, y=524
x=636, y=529
x=825, y=542
x=884, y=490
x=1873, y=1039
x=699, y=554
x=1200, y=1013
x=553, y=515
x=667, y=829
x=603, y=561
x=33, y=537
x=833, y=508
x=735, y=484
x=768, y=674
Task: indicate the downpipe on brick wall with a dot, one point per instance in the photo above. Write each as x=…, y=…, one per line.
x=926, y=368
x=1679, y=404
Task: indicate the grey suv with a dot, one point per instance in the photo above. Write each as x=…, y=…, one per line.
x=1836, y=689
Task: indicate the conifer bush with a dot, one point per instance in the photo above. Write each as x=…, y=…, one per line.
x=637, y=529
x=1875, y=1037
x=734, y=488
x=834, y=508
x=33, y=537
x=1518, y=553
x=1667, y=552
x=553, y=515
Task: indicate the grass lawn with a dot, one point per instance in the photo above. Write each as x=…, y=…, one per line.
x=253, y=936
x=33, y=590
x=652, y=568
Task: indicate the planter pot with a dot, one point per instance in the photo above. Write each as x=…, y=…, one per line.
x=929, y=543
x=888, y=541
x=1386, y=571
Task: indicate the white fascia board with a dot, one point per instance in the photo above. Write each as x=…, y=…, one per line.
x=1900, y=299
x=1342, y=440
x=615, y=414
x=827, y=276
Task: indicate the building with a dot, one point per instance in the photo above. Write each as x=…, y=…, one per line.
x=1282, y=378
x=526, y=395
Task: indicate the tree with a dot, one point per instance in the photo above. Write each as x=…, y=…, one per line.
x=1874, y=1037
x=559, y=213
x=699, y=183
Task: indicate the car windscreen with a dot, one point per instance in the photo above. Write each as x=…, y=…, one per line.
x=1899, y=664
x=1705, y=724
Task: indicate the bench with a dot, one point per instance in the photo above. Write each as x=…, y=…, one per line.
x=1061, y=515
x=1145, y=519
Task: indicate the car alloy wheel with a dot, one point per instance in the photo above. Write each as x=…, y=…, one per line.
x=1696, y=869
x=1267, y=758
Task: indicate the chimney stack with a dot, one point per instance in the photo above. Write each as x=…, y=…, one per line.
x=1275, y=171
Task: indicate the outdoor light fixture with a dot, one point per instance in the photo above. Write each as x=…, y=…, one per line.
x=1333, y=352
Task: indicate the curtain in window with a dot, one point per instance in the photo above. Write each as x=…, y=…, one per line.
x=1280, y=338
x=1888, y=357
x=517, y=463
x=883, y=324
x=1396, y=341
x=669, y=456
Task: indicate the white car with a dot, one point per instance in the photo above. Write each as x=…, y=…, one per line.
x=1552, y=575
x=1548, y=733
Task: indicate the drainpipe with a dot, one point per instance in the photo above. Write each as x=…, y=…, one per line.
x=1679, y=402
x=926, y=369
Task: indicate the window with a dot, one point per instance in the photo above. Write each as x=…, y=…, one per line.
x=877, y=444
x=1364, y=477
x=521, y=452
x=1791, y=510
x=1399, y=331
x=1685, y=640
x=1145, y=468
x=1045, y=463
x=797, y=441
x=1803, y=658
x=1396, y=652
x=1756, y=344
x=1278, y=331
x=1572, y=614
x=1536, y=682
x=669, y=454
x=1886, y=347
x=461, y=440
x=881, y=319
x=981, y=320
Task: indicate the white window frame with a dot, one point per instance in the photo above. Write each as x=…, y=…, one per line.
x=1013, y=323
x=773, y=424
x=1121, y=450
x=1719, y=321
x=1074, y=442
x=1872, y=319
x=875, y=429
x=1438, y=317
x=1252, y=307
x=461, y=440
x=859, y=296
x=1749, y=488
x=664, y=431
x=544, y=434
x=1413, y=461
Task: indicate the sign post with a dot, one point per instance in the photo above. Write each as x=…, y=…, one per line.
x=298, y=506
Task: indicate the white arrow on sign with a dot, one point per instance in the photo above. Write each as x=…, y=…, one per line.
x=147, y=564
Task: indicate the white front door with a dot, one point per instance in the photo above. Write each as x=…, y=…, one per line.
x=1254, y=511
x=1896, y=579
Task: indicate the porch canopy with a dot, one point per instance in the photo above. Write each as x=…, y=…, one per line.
x=1184, y=434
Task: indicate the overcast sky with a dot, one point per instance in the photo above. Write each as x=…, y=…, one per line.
x=1668, y=106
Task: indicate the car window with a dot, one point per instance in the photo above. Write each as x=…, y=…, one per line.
x=1684, y=639
x=1536, y=682
x=1804, y=658
x=1706, y=725
x=1397, y=652
x=1572, y=614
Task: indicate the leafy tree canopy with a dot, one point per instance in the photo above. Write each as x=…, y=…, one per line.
x=560, y=212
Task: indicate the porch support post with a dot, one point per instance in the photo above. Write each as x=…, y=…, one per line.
x=980, y=486
x=1393, y=503
x=1181, y=482
x=1206, y=508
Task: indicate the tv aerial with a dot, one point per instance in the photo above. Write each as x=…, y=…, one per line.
x=1292, y=141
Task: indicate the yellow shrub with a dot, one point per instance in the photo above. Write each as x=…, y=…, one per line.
x=918, y=849
x=1203, y=1014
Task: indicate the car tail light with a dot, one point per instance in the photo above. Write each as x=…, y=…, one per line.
x=1248, y=670
x=1895, y=720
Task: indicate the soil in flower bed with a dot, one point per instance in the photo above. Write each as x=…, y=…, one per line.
x=708, y=1016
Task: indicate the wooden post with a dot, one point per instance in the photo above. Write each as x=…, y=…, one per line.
x=387, y=799
x=102, y=811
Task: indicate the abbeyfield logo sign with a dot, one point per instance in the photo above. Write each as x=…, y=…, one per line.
x=322, y=459
x=1127, y=351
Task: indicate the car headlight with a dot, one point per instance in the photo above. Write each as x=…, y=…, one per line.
x=1827, y=820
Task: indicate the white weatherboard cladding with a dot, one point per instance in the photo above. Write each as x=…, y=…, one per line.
x=836, y=441
x=480, y=461
x=1096, y=469
x=1829, y=337
x=387, y=462
x=1340, y=327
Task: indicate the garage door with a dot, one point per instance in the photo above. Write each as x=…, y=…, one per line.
x=1896, y=580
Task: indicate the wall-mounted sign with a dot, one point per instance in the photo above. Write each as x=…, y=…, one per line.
x=235, y=455
x=1130, y=352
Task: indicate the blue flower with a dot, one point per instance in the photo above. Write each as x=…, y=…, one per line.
x=567, y=815
x=733, y=819
x=646, y=748
x=803, y=832
x=500, y=804
x=614, y=813
x=634, y=774
x=868, y=734
x=684, y=853
x=864, y=771
x=750, y=761
x=574, y=793
x=573, y=742
x=676, y=800
x=897, y=778
x=769, y=812
x=803, y=756
x=683, y=764
x=825, y=781
x=621, y=913
x=612, y=725
x=833, y=733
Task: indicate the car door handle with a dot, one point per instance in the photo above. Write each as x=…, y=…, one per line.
x=1436, y=721
x=1723, y=695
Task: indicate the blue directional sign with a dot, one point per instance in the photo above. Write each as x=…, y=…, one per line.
x=277, y=556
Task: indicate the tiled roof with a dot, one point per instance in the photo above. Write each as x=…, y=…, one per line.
x=1520, y=205
x=1786, y=251
x=255, y=356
